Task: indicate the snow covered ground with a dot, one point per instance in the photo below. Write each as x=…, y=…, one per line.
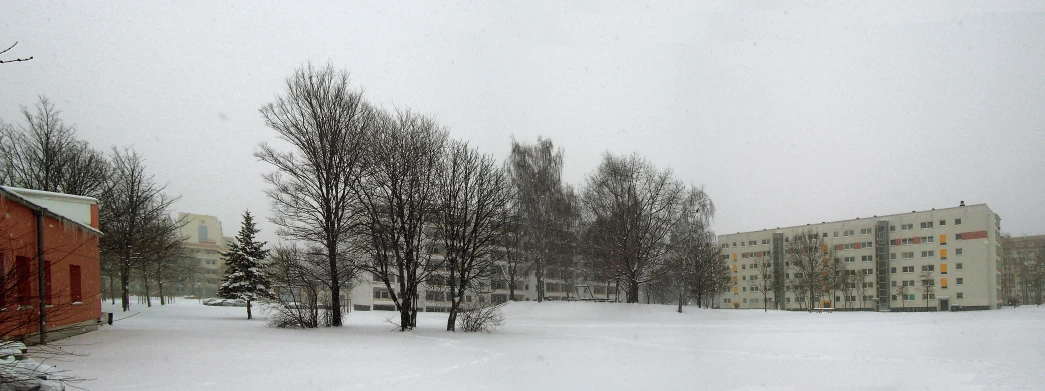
x=569, y=346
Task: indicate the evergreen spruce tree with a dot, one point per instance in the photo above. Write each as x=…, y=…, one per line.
x=244, y=278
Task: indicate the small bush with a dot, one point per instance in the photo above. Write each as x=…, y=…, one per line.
x=480, y=317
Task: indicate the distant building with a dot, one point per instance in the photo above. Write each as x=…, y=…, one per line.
x=369, y=293
x=959, y=245
x=71, y=268
x=1021, y=258
x=204, y=243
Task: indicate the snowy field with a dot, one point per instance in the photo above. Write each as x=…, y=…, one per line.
x=569, y=346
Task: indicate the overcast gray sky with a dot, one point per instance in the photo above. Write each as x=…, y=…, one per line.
x=787, y=113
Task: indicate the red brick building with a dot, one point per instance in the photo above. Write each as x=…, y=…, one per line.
x=71, y=268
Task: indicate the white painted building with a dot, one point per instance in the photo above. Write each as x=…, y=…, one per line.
x=959, y=246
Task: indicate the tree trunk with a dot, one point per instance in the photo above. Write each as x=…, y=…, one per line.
x=125, y=294
x=335, y=285
x=633, y=290
x=112, y=289
x=404, y=314
x=148, y=295
x=163, y=299
x=540, y=282
x=681, y=295
x=249, y=316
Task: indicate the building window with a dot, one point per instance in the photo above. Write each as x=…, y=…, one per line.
x=381, y=293
x=202, y=233
x=906, y=227
x=960, y=295
x=958, y=251
x=433, y=296
x=927, y=224
x=892, y=228
x=959, y=280
x=892, y=270
x=47, y=283
x=866, y=258
x=892, y=255
x=929, y=253
x=908, y=255
x=75, y=284
x=850, y=259
x=23, y=279
x=865, y=231
x=928, y=268
x=958, y=266
x=957, y=221
x=958, y=236
x=908, y=269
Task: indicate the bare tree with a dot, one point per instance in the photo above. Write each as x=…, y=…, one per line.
x=512, y=267
x=326, y=123
x=159, y=253
x=928, y=286
x=2, y=61
x=545, y=208
x=837, y=281
x=694, y=252
x=134, y=203
x=901, y=291
x=297, y=279
x=764, y=280
x=631, y=208
x=475, y=196
x=809, y=257
x=398, y=194
x=43, y=153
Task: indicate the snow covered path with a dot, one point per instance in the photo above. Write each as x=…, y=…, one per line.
x=563, y=346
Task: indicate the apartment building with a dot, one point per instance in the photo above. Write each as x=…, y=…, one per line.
x=369, y=293
x=958, y=247
x=204, y=243
x=1022, y=268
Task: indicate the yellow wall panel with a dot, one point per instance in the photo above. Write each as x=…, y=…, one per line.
x=943, y=283
x=943, y=268
x=943, y=238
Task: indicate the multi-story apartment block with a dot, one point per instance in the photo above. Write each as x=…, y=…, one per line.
x=369, y=293
x=959, y=247
x=204, y=242
x=1022, y=268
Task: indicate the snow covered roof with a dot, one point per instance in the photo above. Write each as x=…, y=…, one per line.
x=53, y=204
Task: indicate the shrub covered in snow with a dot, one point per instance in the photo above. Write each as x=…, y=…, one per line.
x=480, y=317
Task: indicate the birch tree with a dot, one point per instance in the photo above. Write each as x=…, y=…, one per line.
x=545, y=208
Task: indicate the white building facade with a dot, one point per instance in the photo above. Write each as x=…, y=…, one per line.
x=958, y=247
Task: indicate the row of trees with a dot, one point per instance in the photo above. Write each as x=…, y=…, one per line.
x=141, y=242
x=367, y=190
